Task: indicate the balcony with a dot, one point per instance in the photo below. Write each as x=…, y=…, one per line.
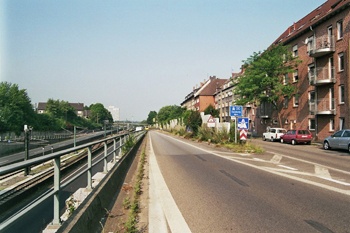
x=322, y=107
x=321, y=76
x=321, y=46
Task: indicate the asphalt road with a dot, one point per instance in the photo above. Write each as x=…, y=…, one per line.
x=288, y=189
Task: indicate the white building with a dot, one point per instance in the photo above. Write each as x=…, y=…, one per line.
x=115, y=113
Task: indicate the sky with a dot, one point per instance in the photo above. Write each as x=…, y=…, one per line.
x=138, y=56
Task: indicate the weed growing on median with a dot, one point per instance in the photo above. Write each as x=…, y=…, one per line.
x=130, y=225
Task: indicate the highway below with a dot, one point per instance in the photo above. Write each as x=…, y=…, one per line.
x=285, y=189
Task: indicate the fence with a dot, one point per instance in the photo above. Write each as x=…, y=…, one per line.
x=57, y=179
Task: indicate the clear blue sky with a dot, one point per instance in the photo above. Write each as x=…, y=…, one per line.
x=136, y=55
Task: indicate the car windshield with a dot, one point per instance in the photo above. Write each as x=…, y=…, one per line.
x=303, y=132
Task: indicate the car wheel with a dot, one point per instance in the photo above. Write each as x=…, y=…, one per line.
x=294, y=142
x=326, y=146
x=281, y=140
x=349, y=148
x=271, y=140
x=264, y=139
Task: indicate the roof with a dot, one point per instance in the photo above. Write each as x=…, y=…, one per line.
x=211, y=87
x=76, y=106
x=317, y=16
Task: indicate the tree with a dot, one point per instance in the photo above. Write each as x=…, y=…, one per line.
x=99, y=113
x=263, y=78
x=170, y=112
x=192, y=119
x=210, y=110
x=15, y=108
x=151, y=115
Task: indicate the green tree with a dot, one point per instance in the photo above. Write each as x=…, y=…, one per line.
x=99, y=114
x=212, y=111
x=263, y=78
x=192, y=119
x=169, y=113
x=151, y=115
x=15, y=108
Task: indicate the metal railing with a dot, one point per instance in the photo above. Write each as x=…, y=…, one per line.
x=321, y=43
x=325, y=105
x=57, y=186
x=322, y=75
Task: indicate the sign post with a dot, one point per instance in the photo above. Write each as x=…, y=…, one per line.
x=236, y=111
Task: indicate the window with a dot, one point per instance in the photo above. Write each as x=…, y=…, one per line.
x=341, y=61
x=295, y=50
x=286, y=100
x=331, y=124
x=312, y=124
x=340, y=29
x=341, y=123
x=341, y=94
x=295, y=76
x=312, y=72
x=330, y=37
x=296, y=100
x=285, y=79
x=331, y=68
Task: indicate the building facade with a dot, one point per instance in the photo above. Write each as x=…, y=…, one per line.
x=115, y=113
x=321, y=41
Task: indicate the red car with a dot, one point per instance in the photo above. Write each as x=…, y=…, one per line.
x=296, y=136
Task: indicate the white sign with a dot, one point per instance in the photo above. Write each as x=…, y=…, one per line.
x=211, y=122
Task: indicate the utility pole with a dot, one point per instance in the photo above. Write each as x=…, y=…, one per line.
x=26, y=148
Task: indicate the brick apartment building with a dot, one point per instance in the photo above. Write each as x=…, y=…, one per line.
x=321, y=42
x=203, y=96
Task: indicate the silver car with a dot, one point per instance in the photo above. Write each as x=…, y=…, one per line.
x=339, y=140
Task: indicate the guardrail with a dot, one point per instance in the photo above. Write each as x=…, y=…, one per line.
x=57, y=186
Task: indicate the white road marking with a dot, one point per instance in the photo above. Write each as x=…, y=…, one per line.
x=335, y=181
x=162, y=203
x=323, y=172
x=346, y=192
x=257, y=159
x=276, y=158
x=290, y=168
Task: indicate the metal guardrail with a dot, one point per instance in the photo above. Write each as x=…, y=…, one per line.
x=57, y=179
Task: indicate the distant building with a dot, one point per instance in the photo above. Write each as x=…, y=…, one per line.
x=115, y=113
x=79, y=108
x=201, y=97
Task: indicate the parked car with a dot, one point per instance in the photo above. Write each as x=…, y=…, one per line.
x=296, y=136
x=273, y=134
x=339, y=140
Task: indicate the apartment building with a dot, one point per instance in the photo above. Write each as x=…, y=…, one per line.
x=321, y=41
x=203, y=96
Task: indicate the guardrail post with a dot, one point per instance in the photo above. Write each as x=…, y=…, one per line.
x=56, y=199
x=89, y=173
x=105, y=158
x=115, y=149
x=120, y=146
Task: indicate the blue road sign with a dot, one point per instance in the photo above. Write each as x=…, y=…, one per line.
x=236, y=110
x=243, y=123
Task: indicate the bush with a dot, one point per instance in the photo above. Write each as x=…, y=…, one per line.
x=204, y=133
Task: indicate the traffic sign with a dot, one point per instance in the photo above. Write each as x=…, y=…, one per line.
x=211, y=122
x=243, y=123
x=236, y=110
x=243, y=134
